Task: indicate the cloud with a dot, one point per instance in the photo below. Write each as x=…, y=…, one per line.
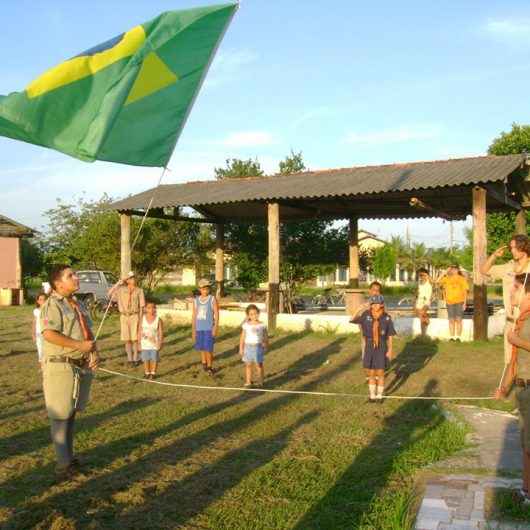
x=508, y=27
x=228, y=65
x=247, y=139
x=393, y=136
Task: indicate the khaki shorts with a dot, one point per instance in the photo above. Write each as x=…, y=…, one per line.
x=66, y=389
x=129, y=327
x=523, y=401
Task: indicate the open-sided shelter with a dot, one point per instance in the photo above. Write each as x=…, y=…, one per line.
x=451, y=189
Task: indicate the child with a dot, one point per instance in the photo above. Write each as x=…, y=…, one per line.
x=151, y=335
x=205, y=324
x=36, y=329
x=378, y=329
x=423, y=299
x=374, y=289
x=252, y=344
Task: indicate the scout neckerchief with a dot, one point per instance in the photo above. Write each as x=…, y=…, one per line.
x=376, y=315
x=87, y=334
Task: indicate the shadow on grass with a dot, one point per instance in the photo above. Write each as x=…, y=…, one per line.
x=348, y=502
x=104, y=487
x=16, y=413
x=414, y=357
x=29, y=441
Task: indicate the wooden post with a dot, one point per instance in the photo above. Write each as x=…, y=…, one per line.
x=273, y=216
x=219, y=259
x=480, y=297
x=520, y=222
x=125, y=256
x=353, y=240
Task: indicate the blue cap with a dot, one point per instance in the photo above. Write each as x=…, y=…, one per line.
x=376, y=299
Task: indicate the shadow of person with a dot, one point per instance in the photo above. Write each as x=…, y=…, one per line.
x=347, y=503
x=414, y=357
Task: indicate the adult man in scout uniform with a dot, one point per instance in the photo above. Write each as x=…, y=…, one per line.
x=519, y=247
x=131, y=303
x=519, y=371
x=69, y=358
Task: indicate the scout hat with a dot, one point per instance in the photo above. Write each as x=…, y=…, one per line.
x=130, y=275
x=203, y=282
x=376, y=299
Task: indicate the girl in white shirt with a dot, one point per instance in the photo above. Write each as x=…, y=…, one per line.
x=36, y=329
x=252, y=345
x=423, y=299
x=151, y=335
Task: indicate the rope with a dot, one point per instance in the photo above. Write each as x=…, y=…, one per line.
x=298, y=392
x=105, y=314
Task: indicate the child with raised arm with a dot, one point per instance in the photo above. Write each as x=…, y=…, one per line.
x=252, y=345
x=378, y=329
x=151, y=335
x=36, y=328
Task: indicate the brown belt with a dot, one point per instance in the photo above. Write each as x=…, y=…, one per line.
x=63, y=359
x=524, y=383
x=510, y=319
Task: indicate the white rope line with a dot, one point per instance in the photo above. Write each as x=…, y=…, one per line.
x=105, y=314
x=280, y=391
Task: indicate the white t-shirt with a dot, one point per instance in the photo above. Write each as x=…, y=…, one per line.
x=36, y=314
x=424, y=295
x=254, y=333
x=149, y=332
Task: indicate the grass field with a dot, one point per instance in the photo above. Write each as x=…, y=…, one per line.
x=160, y=457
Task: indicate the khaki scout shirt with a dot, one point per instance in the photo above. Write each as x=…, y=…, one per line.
x=506, y=273
x=129, y=302
x=58, y=315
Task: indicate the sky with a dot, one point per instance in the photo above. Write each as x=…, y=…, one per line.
x=346, y=82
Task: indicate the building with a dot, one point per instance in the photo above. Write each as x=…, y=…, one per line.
x=11, y=274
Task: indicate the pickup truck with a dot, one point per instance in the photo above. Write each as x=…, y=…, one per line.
x=93, y=290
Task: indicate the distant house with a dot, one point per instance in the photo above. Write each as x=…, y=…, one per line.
x=11, y=274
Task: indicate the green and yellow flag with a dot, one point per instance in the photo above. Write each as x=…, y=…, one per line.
x=125, y=100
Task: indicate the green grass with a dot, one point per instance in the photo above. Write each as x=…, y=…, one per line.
x=160, y=457
x=507, y=505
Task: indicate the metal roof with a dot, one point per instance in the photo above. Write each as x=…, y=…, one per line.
x=10, y=228
x=357, y=183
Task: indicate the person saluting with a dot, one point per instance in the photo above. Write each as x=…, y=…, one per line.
x=69, y=359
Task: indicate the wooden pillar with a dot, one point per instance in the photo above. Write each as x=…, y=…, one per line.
x=125, y=256
x=480, y=298
x=353, y=243
x=520, y=222
x=273, y=217
x=219, y=259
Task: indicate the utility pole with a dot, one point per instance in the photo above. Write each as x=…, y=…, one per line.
x=407, y=236
x=451, y=237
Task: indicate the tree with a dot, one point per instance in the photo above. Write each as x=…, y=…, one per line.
x=236, y=168
x=86, y=234
x=384, y=262
x=501, y=226
x=32, y=257
x=293, y=163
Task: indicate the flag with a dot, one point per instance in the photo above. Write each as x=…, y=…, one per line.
x=125, y=100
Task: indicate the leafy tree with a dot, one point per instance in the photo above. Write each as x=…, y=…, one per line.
x=384, y=261
x=32, y=257
x=501, y=226
x=236, y=168
x=293, y=163
x=86, y=234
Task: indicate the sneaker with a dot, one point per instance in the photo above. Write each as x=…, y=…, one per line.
x=248, y=385
x=210, y=371
x=457, y=339
x=63, y=473
x=370, y=400
x=152, y=377
x=147, y=376
x=525, y=498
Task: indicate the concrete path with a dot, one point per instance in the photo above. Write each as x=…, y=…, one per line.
x=455, y=502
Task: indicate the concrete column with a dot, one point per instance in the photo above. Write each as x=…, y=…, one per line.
x=273, y=218
x=480, y=298
x=125, y=256
x=219, y=259
x=353, y=241
x=520, y=222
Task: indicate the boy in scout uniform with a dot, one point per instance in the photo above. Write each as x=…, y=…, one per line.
x=519, y=372
x=69, y=358
x=131, y=303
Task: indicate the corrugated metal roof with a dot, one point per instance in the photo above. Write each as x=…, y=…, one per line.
x=10, y=228
x=345, y=182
